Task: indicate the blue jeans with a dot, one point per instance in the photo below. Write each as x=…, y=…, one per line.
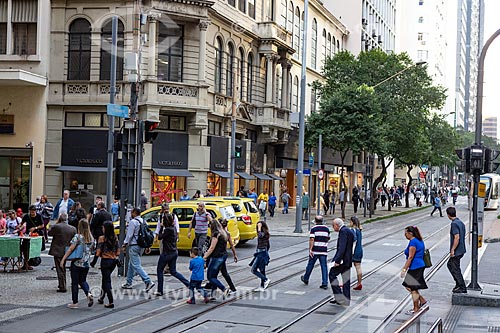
x=78, y=278
x=285, y=208
x=134, y=265
x=259, y=266
x=213, y=270
x=324, y=268
x=170, y=259
x=196, y=284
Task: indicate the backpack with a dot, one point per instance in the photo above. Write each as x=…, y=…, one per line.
x=284, y=198
x=145, y=237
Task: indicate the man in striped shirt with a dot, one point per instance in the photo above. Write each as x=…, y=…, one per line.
x=318, y=249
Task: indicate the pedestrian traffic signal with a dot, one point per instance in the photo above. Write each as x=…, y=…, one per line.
x=149, y=131
x=464, y=156
x=237, y=151
x=490, y=165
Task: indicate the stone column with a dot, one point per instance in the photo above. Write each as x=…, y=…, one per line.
x=289, y=85
x=269, y=78
x=152, y=46
x=203, y=50
x=284, y=84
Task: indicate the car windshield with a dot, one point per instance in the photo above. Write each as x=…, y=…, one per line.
x=237, y=208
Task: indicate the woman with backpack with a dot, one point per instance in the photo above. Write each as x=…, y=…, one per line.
x=83, y=244
x=108, y=249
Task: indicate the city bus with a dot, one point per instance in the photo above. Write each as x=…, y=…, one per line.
x=492, y=182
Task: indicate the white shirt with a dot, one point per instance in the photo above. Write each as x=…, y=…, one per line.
x=63, y=207
x=158, y=225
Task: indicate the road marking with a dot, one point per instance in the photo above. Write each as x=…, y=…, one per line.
x=392, y=244
x=481, y=251
x=293, y=292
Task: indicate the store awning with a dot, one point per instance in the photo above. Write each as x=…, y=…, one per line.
x=274, y=176
x=173, y=172
x=222, y=174
x=63, y=168
x=19, y=77
x=245, y=175
x=261, y=176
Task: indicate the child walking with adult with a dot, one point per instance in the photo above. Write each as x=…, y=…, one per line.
x=217, y=254
x=108, y=249
x=196, y=266
x=261, y=256
x=80, y=264
x=358, y=250
x=168, y=235
x=413, y=269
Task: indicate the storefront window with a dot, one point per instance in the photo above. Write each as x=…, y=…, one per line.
x=85, y=186
x=92, y=120
x=177, y=123
x=74, y=119
x=216, y=184
x=166, y=189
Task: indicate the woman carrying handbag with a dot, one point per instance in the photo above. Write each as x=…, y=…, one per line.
x=108, y=249
x=79, y=253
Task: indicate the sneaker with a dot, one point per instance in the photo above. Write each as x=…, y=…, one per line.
x=303, y=280
x=149, y=286
x=324, y=286
x=226, y=293
x=266, y=283
x=126, y=286
x=410, y=312
x=158, y=293
x=73, y=306
x=90, y=299
x=190, y=301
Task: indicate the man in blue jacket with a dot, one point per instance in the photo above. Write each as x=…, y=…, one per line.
x=342, y=262
x=63, y=205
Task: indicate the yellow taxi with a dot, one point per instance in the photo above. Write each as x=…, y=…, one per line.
x=184, y=211
x=247, y=215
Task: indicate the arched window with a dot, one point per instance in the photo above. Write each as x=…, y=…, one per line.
x=229, y=70
x=296, y=32
x=295, y=106
x=314, y=46
x=242, y=72
x=79, y=50
x=323, y=46
x=290, y=90
x=329, y=47
x=289, y=25
x=106, y=45
x=333, y=46
x=170, y=52
x=301, y=37
x=278, y=87
x=218, y=65
x=249, y=78
x=314, y=98
x=338, y=46
x=283, y=12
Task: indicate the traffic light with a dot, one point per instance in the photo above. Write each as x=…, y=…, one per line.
x=464, y=156
x=490, y=165
x=149, y=131
x=237, y=151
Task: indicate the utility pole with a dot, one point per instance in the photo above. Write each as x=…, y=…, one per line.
x=111, y=119
x=300, y=157
x=320, y=147
x=233, y=132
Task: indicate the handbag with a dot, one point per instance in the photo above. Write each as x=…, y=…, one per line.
x=427, y=258
x=262, y=205
x=77, y=252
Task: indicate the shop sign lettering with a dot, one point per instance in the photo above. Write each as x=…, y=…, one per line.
x=89, y=161
x=219, y=166
x=170, y=163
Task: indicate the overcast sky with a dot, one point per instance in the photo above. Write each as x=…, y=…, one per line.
x=491, y=101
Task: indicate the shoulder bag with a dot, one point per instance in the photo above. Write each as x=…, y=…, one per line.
x=427, y=258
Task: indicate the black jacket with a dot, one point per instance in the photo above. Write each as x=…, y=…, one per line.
x=345, y=243
x=99, y=218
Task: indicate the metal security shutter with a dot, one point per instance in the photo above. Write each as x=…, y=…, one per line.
x=3, y=11
x=24, y=11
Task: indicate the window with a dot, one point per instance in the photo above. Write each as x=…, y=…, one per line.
x=283, y=13
x=251, y=8
x=314, y=46
x=313, y=99
x=218, y=66
x=252, y=135
x=422, y=54
x=242, y=72
x=328, y=47
x=22, y=19
x=88, y=119
x=170, y=52
x=74, y=119
x=421, y=2
x=296, y=33
x=421, y=19
x=232, y=2
x=106, y=45
x=242, y=4
x=249, y=78
x=338, y=45
x=323, y=47
x=79, y=50
x=420, y=36
x=301, y=37
x=214, y=128
x=92, y=120
x=229, y=70
x=289, y=25
x=295, y=94
x=172, y=123
x=333, y=46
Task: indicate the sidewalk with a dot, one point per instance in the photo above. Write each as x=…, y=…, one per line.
x=284, y=224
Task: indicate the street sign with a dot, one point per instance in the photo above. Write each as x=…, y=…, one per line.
x=305, y=172
x=297, y=199
x=311, y=160
x=117, y=110
x=481, y=191
x=321, y=174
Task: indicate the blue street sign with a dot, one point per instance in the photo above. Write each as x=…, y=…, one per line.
x=117, y=110
x=306, y=172
x=311, y=160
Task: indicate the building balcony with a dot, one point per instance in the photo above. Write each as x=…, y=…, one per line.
x=273, y=34
x=88, y=92
x=274, y=121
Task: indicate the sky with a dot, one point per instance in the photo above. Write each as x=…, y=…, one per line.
x=491, y=99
